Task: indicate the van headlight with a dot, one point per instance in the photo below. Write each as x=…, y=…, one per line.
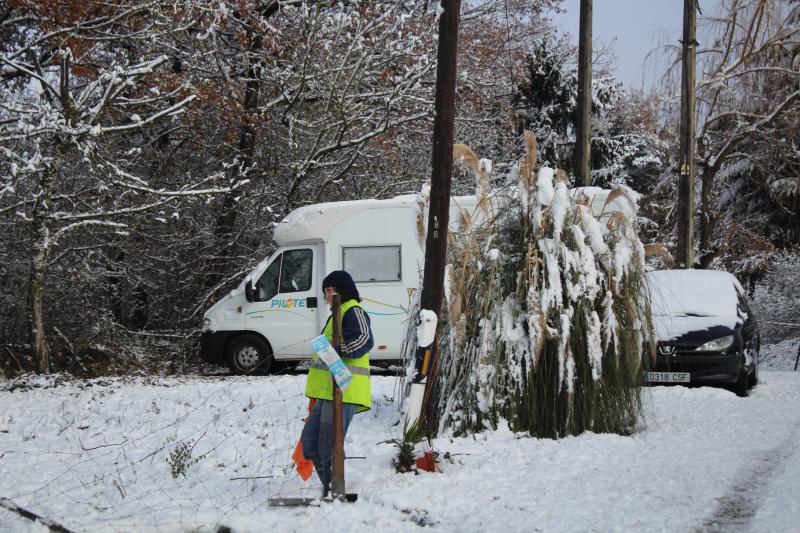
x=717, y=345
x=206, y=324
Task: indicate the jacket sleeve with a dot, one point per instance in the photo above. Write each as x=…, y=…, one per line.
x=356, y=334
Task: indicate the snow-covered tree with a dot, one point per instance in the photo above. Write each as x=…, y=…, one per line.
x=547, y=100
x=626, y=148
x=148, y=148
x=629, y=146
x=495, y=40
x=310, y=99
x=748, y=105
x=76, y=85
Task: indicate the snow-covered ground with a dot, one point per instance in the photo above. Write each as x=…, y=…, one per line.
x=98, y=456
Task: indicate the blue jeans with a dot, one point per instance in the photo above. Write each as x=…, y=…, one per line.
x=317, y=438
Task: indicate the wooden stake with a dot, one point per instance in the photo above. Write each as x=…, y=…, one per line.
x=337, y=471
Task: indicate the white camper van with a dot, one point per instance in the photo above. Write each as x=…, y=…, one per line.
x=279, y=307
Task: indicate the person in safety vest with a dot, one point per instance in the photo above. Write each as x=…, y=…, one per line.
x=356, y=342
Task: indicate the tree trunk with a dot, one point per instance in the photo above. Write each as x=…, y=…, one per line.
x=706, y=217
x=226, y=220
x=40, y=256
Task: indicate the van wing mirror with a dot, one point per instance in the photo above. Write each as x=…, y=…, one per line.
x=248, y=291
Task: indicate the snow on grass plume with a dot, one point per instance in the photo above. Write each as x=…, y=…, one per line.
x=546, y=323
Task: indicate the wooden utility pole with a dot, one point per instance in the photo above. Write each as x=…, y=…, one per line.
x=583, y=119
x=442, y=169
x=687, y=167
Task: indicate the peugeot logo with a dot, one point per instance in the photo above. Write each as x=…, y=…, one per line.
x=666, y=349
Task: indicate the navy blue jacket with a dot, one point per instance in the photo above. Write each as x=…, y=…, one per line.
x=356, y=334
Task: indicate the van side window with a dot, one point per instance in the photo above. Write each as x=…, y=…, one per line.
x=372, y=263
x=296, y=274
x=267, y=285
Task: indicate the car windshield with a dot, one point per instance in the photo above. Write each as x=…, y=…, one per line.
x=692, y=293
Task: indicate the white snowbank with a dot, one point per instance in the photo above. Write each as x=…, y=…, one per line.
x=94, y=455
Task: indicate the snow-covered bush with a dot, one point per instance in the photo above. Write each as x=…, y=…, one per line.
x=776, y=299
x=546, y=320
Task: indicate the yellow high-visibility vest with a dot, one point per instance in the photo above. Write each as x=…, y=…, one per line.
x=319, y=383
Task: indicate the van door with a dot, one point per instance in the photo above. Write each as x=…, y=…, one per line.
x=286, y=305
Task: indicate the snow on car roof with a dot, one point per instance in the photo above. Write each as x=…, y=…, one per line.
x=691, y=292
x=692, y=300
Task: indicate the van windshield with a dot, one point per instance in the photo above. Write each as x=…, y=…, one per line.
x=267, y=285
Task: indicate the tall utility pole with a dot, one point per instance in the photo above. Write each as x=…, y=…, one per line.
x=442, y=163
x=583, y=146
x=687, y=167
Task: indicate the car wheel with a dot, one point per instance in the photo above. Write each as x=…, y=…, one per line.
x=752, y=379
x=741, y=385
x=249, y=354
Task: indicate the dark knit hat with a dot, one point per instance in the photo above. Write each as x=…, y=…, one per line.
x=339, y=279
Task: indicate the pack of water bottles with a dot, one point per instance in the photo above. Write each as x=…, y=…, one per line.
x=325, y=351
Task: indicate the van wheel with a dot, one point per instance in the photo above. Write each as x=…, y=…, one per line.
x=248, y=355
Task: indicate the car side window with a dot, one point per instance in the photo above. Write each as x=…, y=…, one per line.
x=296, y=271
x=267, y=285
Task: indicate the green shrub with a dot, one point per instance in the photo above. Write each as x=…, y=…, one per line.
x=546, y=321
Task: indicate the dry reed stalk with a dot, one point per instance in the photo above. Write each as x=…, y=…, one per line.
x=454, y=305
x=422, y=210
x=613, y=195
x=583, y=199
x=411, y=292
x=534, y=307
x=466, y=158
x=617, y=220
x=561, y=175
x=465, y=218
x=526, y=169
x=455, y=310
x=657, y=250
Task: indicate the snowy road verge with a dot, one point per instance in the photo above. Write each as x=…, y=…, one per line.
x=102, y=455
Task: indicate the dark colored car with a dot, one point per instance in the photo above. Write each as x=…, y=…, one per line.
x=705, y=330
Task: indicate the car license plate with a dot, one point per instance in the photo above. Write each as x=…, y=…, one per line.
x=667, y=377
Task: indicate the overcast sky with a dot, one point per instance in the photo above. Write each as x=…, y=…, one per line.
x=633, y=28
